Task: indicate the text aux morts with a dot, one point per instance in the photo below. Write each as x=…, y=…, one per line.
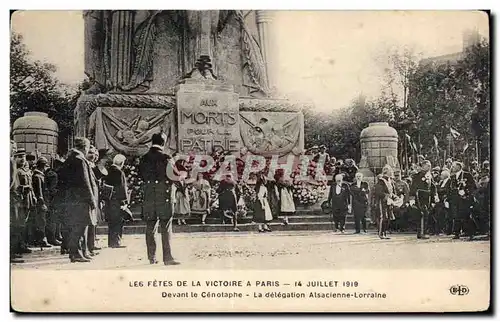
x=207, y=129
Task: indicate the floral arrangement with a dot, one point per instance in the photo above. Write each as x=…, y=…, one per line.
x=304, y=192
x=131, y=171
x=307, y=193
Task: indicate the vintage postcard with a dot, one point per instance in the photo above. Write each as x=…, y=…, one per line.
x=250, y=161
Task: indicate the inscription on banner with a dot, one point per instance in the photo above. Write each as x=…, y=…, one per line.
x=207, y=121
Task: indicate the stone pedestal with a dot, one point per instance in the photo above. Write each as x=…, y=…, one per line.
x=207, y=117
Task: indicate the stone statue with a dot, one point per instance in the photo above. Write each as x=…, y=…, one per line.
x=121, y=47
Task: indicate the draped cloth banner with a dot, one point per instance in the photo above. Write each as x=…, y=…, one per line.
x=129, y=130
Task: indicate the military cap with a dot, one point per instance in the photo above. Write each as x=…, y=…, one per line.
x=42, y=161
x=436, y=169
x=20, y=152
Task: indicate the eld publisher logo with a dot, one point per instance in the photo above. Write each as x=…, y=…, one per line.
x=459, y=290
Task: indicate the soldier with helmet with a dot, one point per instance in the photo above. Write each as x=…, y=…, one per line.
x=157, y=205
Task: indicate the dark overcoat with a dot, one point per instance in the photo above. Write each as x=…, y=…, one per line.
x=79, y=189
x=157, y=188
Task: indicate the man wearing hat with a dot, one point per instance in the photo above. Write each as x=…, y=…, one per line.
x=463, y=188
x=41, y=208
x=157, y=205
x=80, y=197
x=423, y=194
x=436, y=174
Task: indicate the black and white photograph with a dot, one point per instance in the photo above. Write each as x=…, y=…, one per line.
x=250, y=160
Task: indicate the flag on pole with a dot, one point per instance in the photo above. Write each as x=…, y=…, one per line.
x=436, y=143
x=466, y=146
x=408, y=137
x=454, y=133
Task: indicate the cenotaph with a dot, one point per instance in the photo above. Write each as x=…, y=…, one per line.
x=201, y=77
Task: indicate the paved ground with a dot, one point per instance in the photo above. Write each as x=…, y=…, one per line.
x=281, y=250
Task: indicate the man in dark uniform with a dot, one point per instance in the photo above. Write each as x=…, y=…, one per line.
x=340, y=202
x=360, y=192
x=383, y=201
x=402, y=190
x=41, y=208
x=424, y=195
x=51, y=182
x=15, y=232
x=157, y=204
x=26, y=201
x=462, y=188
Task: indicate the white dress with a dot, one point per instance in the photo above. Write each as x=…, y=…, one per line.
x=263, y=214
x=286, y=201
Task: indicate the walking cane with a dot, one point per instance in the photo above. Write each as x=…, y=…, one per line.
x=380, y=219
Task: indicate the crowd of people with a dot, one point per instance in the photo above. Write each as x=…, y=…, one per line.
x=60, y=203
x=430, y=200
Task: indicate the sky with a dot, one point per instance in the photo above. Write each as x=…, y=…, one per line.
x=327, y=57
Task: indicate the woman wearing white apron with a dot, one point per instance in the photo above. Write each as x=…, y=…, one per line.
x=262, y=211
x=201, y=197
x=287, y=205
x=182, y=208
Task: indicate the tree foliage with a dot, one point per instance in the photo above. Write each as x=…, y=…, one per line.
x=420, y=98
x=35, y=87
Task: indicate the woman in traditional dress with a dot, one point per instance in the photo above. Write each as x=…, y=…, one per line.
x=180, y=191
x=201, y=197
x=228, y=200
x=274, y=195
x=262, y=210
x=287, y=205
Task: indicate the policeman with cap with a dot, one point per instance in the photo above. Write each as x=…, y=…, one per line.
x=424, y=195
x=41, y=208
x=157, y=204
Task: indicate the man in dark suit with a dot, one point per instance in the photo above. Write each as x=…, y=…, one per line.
x=463, y=188
x=360, y=191
x=424, y=195
x=157, y=204
x=80, y=198
x=443, y=221
x=339, y=199
x=41, y=207
x=119, y=198
x=383, y=197
x=402, y=190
